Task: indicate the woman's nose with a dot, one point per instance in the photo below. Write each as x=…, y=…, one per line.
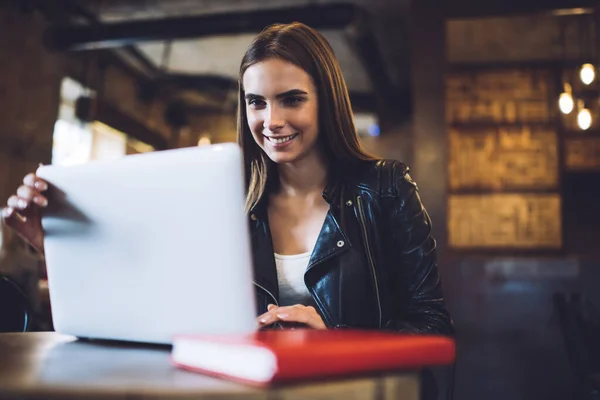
x=273, y=119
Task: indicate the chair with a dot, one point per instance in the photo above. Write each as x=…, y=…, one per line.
x=14, y=307
x=580, y=328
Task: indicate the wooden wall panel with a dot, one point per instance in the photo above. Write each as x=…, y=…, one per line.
x=503, y=158
x=511, y=96
x=582, y=154
x=520, y=221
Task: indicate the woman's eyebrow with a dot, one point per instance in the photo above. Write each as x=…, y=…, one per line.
x=252, y=96
x=293, y=92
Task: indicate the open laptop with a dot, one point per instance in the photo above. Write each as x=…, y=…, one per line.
x=150, y=245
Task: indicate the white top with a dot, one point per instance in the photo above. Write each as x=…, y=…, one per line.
x=290, y=274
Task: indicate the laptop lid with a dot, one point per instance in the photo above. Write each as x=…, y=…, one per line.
x=149, y=246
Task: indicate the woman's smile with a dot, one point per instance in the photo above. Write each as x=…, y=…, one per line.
x=280, y=142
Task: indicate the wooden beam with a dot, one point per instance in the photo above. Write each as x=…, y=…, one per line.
x=92, y=37
x=494, y=8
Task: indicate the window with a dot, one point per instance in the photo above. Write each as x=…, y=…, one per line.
x=77, y=142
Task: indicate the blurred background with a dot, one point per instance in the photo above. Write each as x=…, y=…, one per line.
x=495, y=105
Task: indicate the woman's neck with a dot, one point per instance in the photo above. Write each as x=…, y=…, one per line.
x=303, y=177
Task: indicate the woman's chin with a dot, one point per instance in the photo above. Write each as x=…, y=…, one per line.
x=282, y=158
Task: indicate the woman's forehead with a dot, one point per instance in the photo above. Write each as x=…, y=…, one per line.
x=275, y=76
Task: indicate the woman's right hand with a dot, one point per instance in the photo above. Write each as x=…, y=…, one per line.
x=23, y=213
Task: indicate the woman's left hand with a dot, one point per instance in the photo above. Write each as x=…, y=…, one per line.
x=298, y=313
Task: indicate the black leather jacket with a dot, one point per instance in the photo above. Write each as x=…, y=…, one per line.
x=374, y=263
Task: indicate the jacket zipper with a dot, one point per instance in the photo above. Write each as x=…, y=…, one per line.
x=369, y=257
x=269, y=293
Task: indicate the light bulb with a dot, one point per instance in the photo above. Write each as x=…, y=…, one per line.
x=565, y=103
x=584, y=119
x=587, y=73
x=203, y=141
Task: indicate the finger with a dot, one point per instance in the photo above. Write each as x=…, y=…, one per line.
x=271, y=306
x=273, y=312
x=11, y=217
x=296, y=315
x=31, y=195
x=29, y=179
x=12, y=201
x=18, y=203
x=304, y=315
x=33, y=181
x=40, y=200
x=7, y=212
x=26, y=192
x=270, y=316
x=265, y=319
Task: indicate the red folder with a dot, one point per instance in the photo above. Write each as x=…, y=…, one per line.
x=272, y=356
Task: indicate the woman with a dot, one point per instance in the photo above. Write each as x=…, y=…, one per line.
x=340, y=238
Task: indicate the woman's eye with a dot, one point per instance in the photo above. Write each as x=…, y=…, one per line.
x=293, y=101
x=256, y=102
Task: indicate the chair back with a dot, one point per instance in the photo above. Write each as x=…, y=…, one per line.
x=580, y=328
x=14, y=307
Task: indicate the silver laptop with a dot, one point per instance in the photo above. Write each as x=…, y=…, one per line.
x=149, y=246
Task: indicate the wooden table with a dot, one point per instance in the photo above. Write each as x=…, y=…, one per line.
x=49, y=365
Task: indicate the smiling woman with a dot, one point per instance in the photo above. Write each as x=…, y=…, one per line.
x=340, y=238
x=292, y=89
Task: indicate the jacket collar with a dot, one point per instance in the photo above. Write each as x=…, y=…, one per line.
x=330, y=191
x=331, y=241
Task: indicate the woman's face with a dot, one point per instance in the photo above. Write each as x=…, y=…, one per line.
x=282, y=109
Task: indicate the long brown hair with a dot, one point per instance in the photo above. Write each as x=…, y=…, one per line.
x=308, y=49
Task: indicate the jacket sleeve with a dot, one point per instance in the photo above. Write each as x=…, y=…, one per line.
x=419, y=305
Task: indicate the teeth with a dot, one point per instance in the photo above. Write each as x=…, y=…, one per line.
x=282, y=140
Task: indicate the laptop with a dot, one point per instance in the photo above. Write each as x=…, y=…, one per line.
x=151, y=245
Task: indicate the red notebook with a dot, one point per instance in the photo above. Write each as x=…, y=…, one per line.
x=287, y=355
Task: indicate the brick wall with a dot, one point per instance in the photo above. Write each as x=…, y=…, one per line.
x=29, y=96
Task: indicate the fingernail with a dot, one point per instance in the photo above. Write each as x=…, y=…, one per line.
x=40, y=185
x=21, y=203
x=42, y=202
x=282, y=316
x=264, y=320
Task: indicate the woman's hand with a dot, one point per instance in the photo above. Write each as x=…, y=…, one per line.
x=23, y=213
x=298, y=313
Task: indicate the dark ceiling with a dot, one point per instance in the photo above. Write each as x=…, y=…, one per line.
x=193, y=47
x=196, y=46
